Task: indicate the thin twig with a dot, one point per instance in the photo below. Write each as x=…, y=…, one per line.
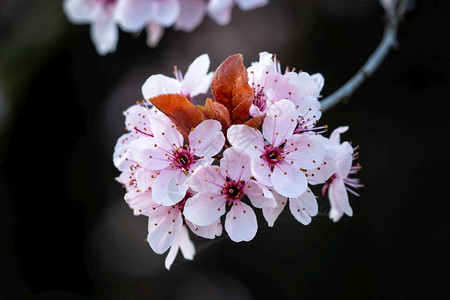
x=388, y=42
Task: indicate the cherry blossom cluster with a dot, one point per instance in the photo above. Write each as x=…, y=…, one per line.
x=133, y=16
x=256, y=145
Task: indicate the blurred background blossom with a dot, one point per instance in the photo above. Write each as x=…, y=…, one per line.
x=67, y=233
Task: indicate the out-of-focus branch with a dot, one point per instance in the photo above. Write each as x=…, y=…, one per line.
x=388, y=42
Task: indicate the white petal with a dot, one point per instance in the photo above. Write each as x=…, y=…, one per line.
x=194, y=75
x=207, y=232
x=154, y=34
x=248, y=138
x=159, y=84
x=186, y=245
x=259, y=196
x=141, y=202
x=320, y=81
x=305, y=151
x=80, y=11
x=321, y=174
x=104, y=34
x=122, y=152
x=145, y=178
x=237, y=164
x=338, y=197
x=344, y=159
x=164, y=228
x=261, y=171
x=170, y=187
x=271, y=213
x=220, y=11
x=204, y=209
x=288, y=180
x=336, y=134
x=134, y=15
x=280, y=122
x=165, y=12
x=148, y=155
x=251, y=4
x=207, y=179
x=241, y=223
x=207, y=138
x=304, y=207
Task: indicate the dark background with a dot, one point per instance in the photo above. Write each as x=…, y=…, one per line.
x=67, y=233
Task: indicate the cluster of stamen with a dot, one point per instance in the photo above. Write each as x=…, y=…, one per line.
x=182, y=158
x=273, y=155
x=233, y=190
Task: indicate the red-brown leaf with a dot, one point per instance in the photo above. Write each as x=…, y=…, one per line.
x=216, y=111
x=255, y=122
x=180, y=110
x=230, y=88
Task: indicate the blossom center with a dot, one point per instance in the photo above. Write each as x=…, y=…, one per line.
x=233, y=190
x=183, y=158
x=273, y=155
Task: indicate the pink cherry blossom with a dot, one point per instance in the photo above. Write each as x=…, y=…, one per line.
x=280, y=163
x=100, y=14
x=302, y=208
x=196, y=81
x=339, y=159
x=174, y=160
x=137, y=123
x=228, y=184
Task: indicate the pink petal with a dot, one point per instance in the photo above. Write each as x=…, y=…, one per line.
x=191, y=14
x=204, y=209
x=288, y=180
x=236, y=163
x=248, y=138
x=259, y=196
x=170, y=187
x=159, y=84
x=241, y=223
x=304, y=207
x=280, y=122
x=271, y=213
x=207, y=138
x=164, y=226
x=305, y=151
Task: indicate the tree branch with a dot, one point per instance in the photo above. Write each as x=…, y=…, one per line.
x=388, y=42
